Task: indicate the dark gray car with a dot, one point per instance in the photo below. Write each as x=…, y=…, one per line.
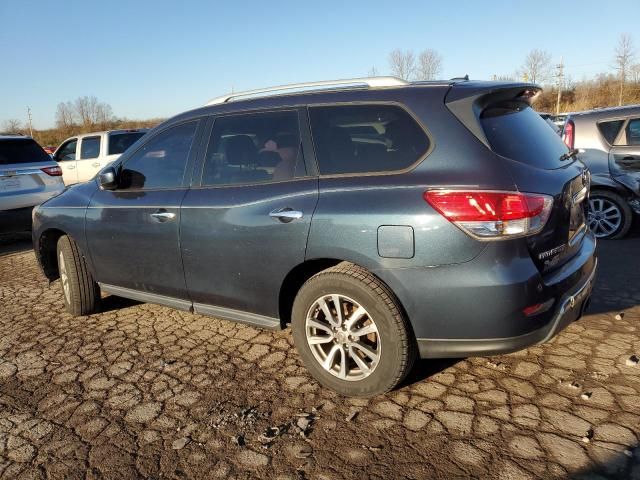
x=608, y=142
x=381, y=219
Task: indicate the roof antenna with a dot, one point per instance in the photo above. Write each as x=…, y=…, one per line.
x=465, y=78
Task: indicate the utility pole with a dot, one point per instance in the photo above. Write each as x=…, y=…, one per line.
x=30, y=125
x=560, y=77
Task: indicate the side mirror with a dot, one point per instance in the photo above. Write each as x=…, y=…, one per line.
x=108, y=179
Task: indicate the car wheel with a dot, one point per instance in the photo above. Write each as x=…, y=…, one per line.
x=609, y=215
x=80, y=292
x=351, y=333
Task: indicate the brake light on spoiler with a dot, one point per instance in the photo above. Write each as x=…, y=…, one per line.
x=492, y=215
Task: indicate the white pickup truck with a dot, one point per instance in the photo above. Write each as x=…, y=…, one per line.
x=82, y=156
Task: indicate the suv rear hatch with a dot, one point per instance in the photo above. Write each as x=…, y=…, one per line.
x=500, y=116
x=25, y=169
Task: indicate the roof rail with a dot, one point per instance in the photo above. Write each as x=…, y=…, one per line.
x=369, y=82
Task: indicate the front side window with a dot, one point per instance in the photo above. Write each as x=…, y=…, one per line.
x=633, y=132
x=365, y=138
x=67, y=151
x=254, y=148
x=161, y=162
x=90, y=148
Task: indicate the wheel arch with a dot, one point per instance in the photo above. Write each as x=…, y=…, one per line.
x=302, y=272
x=46, y=252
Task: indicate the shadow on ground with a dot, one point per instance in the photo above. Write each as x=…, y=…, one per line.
x=618, y=278
x=15, y=243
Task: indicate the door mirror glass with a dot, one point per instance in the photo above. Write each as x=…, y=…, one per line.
x=108, y=179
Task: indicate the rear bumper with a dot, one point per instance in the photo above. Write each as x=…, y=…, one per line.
x=477, y=307
x=570, y=308
x=16, y=220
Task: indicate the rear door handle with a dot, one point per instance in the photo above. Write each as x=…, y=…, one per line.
x=286, y=215
x=163, y=216
x=95, y=164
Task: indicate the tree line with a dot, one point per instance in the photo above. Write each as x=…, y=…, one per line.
x=620, y=85
x=82, y=115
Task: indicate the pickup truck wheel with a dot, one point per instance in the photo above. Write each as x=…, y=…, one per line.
x=80, y=292
x=351, y=333
x=609, y=215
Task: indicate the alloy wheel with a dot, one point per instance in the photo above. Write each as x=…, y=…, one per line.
x=604, y=217
x=343, y=337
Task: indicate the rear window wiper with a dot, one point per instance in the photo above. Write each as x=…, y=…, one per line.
x=566, y=156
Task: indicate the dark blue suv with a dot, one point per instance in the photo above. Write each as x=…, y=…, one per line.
x=383, y=220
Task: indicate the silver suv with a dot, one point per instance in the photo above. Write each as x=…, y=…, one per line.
x=28, y=177
x=608, y=141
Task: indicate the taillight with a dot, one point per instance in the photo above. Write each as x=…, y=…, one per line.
x=52, y=171
x=569, y=134
x=489, y=215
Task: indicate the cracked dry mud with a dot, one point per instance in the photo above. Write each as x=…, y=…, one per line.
x=145, y=391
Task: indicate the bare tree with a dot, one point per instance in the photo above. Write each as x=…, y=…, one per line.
x=12, y=125
x=373, y=72
x=429, y=65
x=623, y=58
x=402, y=63
x=65, y=117
x=503, y=78
x=536, y=66
x=86, y=112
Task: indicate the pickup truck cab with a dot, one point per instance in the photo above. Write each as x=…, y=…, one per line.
x=80, y=157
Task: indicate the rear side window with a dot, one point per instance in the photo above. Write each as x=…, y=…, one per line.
x=21, y=151
x=161, y=162
x=633, y=132
x=254, y=148
x=610, y=130
x=119, y=142
x=517, y=132
x=90, y=148
x=365, y=138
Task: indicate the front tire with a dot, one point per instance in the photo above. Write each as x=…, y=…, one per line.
x=351, y=333
x=80, y=292
x=610, y=216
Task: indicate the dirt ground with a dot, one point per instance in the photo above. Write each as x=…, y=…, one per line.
x=142, y=391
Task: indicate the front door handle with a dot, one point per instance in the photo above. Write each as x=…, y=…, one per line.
x=71, y=167
x=163, y=216
x=286, y=215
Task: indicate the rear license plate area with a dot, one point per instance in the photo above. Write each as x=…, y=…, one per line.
x=10, y=183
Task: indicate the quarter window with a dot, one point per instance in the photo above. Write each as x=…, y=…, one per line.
x=90, y=148
x=365, y=138
x=610, y=130
x=161, y=162
x=254, y=148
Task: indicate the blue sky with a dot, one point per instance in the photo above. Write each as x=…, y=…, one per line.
x=158, y=58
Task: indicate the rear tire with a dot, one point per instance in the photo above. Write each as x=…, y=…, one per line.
x=370, y=335
x=81, y=293
x=610, y=216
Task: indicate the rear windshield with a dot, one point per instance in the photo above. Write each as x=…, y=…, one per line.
x=119, y=142
x=517, y=132
x=21, y=150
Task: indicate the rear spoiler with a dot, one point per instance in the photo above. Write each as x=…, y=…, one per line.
x=467, y=100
